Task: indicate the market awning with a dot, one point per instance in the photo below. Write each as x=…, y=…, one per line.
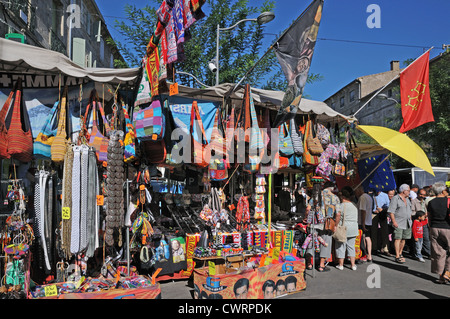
x=21, y=58
x=266, y=98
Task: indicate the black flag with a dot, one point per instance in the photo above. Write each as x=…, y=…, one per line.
x=294, y=50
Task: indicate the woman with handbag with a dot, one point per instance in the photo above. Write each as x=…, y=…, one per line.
x=347, y=219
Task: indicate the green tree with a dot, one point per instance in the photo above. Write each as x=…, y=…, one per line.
x=239, y=48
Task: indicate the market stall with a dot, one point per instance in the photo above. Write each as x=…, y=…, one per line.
x=110, y=181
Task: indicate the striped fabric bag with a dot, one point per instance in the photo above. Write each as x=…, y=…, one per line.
x=285, y=141
x=149, y=122
x=59, y=144
x=97, y=139
x=129, y=141
x=42, y=145
x=20, y=142
x=3, y=131
x=297, y=142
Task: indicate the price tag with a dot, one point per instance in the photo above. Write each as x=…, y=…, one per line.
x=211, y=268
x=51, y=291
x=100, y=200
x=9, y=188
x=66, y=213
x=173, y=89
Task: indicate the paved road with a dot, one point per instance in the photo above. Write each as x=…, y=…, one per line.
x=411, y=280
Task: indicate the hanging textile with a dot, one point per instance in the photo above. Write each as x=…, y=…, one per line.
x=67, y=201
x=242, y=214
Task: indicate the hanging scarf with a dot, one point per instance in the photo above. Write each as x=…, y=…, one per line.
x=76, y=200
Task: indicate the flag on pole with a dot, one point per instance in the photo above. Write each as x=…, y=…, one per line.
x=294, y=51
x=415, y=94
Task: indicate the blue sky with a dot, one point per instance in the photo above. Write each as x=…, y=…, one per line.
x=408, y=23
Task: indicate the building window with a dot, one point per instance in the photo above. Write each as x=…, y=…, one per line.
x=333, y=105
x=352, y=95
x=342, y=101
x=389, y=93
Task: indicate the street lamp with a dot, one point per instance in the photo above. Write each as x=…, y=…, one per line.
x=383, y=96
x=263, y=18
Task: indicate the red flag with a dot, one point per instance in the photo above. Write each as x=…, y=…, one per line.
x=415, y=94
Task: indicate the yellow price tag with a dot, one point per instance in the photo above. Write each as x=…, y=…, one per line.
x=9, y=188
x=51, y=291
x=212, y=268
x=66, y=213
x=100, y=200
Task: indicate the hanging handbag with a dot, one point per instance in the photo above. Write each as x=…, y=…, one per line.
x=43, y=143
x=59, y=144
x=285, y=141
x=129, y=141
x=20, y=139
x=199, y=158
x=297, y=142
x=149, y=122
x=339, y=169
x=217, y=142
x=340, y=235
x=314, y=145
x=97, y=139
x=308, y=157
x=3, y=131
x=323, y=135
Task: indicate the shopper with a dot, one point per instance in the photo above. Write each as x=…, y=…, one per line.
x=413, y=191
x=417, y=231
x=400, y=213
x=382, y=204
x=365, y=208
x=439, y=222
x=348, y=212
x=419, y=204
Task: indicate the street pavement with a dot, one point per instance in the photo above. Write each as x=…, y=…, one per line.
x=383, y=278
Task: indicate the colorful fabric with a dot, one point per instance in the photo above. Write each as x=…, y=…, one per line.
x=43, y=143
x=149, y=122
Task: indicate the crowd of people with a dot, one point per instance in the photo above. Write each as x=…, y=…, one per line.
x=413, y=220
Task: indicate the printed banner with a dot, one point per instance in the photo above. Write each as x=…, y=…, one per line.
x=191, y=243
x=181, y=112
x=263, y=283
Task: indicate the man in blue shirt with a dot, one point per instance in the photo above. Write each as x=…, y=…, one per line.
x=380, y=218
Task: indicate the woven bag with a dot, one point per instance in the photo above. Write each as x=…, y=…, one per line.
x=20, y=141
x=97, y=139
x=199, y=158
x=59, y=144
x=3, y=131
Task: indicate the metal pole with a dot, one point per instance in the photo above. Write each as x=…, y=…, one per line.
x=127, y=233
x=217, y=55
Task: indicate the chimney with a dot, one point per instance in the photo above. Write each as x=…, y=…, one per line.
x=395, y=66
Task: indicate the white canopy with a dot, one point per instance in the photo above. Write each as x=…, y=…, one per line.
x=21, y=58
x=16, y=57
x=266, y=98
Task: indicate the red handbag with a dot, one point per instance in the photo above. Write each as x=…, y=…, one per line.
x=199, y=158
x=3, y=131
x=20, y=139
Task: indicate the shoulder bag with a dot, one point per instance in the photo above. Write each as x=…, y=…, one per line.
x=20, y=139
x=3, y=131
x=97, y=139
x=43, y=143
x=59, y=145
x=340, y=235
x=199, y=158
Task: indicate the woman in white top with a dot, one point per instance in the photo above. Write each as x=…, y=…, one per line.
x=349, y=213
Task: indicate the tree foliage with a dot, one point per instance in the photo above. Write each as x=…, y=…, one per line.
x=239, y=48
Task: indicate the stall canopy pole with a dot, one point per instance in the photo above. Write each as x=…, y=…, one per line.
x=269, y=213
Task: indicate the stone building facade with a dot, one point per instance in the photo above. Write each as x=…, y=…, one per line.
x=75, y=28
